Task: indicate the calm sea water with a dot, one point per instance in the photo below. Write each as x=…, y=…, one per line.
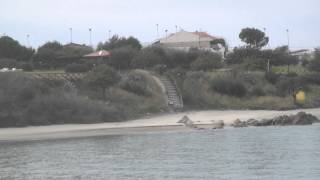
x=284, y=153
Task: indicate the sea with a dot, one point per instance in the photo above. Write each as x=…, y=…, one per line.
x=255, y=153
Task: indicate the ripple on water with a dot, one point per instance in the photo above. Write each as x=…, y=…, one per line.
x=248, y=153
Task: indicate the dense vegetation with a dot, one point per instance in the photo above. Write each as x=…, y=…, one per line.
x=248, y=77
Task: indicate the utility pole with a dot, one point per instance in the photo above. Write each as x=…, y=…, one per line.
x=176, y=28
x=109, y=34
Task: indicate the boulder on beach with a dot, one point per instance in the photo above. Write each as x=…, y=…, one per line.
x=187, y=122
x=217, y=124
x=239, y=124
x=301, y=118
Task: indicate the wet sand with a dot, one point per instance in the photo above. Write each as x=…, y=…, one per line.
x=161, y=123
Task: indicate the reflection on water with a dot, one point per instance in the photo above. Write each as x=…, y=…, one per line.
x=249, y=153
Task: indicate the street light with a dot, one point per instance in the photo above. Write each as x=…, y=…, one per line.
x=166, y=33
x=288, y=37
x=90, y=36
x=28, y=43
x=157, y=31
x=70, y=29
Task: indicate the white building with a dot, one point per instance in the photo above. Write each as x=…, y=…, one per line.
x=186, y=40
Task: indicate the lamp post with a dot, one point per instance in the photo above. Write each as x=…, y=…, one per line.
x=166, y=33
x=157, y=31
x=288, y=38
x=28, y=43
x=70, y=29
x=90, y=36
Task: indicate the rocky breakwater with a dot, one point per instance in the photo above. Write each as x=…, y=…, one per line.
x=300, y=118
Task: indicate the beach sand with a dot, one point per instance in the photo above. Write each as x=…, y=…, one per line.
x=161, y=123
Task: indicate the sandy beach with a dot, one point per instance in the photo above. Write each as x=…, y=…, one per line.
x=161, y=123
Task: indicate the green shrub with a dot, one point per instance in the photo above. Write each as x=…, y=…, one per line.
x=232, y=87
x=27, y=67
x=207, y=61
x=26, y=101
x=312, y=78
x=254, y=63
x=8, y=63
x=286, y=86
x=271, y=77
x=77, y=68
x=136, y=83
x=257, y=91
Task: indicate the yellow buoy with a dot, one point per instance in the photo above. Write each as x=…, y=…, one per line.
x=300, y=96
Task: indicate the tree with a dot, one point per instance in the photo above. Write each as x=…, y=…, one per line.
x=102, y=77
x=147, y=58
x=121, y=58
x=117, y=42
x=281, y=56
x=11, y=49
x=315, y=62
x=222, y=42
x=48, y=54
x=254, y=38
x=75, y=50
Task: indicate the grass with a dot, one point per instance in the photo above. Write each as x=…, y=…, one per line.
x=300, y=70
x=46, y=71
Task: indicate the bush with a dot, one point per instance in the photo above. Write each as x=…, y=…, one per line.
x=253, y=64
x=121, y=58
x=77, y=68
x=8, y=63
x=27, y=67
x=312, y=78
x=148, y=58
x=289, y=85
x=271, y=77
x=26, y=101
x=257, y=91
x=232, y=87
x=136, y=83
x=207, y=61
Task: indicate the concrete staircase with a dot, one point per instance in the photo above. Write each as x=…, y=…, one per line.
x=174, y=98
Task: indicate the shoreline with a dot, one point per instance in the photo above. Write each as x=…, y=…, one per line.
x=160, y=123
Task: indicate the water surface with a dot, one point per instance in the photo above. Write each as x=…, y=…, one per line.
x=281, y=153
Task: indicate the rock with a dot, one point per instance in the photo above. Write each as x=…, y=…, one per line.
x=239, y=124
x=282, y=120
x=303, y=118
x=252, y=122
x=217, y=124
x=265, y=122
x=187, y=122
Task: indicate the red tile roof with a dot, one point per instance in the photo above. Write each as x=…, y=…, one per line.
x=101, y=53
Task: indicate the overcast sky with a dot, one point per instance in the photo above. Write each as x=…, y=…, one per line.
x=50, y=20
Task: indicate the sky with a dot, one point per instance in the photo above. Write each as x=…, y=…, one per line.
x=48, y=20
